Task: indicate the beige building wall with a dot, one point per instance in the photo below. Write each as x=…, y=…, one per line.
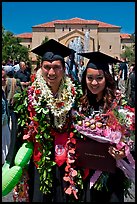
x=125, y=42
x=27, y=42
x=109, y=43
x=103, y=37
x=38, y=35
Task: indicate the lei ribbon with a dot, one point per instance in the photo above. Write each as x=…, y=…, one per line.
x=95, y=177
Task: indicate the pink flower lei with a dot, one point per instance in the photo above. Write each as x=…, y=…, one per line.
x=34, y=134
x=69, y=169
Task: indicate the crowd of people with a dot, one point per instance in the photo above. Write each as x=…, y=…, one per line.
x=59, y=113
x=16, y=77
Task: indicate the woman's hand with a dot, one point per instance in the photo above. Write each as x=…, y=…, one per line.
x=117, y=154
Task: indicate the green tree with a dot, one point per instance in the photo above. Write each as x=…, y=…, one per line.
x=129, y=51
x=12, y=49
x=129, y=54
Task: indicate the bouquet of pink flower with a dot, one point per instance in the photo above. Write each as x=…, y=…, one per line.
x=117, y=127
x=97, y=128
x=114, y=126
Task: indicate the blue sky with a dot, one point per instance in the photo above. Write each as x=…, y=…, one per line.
x=19, y=17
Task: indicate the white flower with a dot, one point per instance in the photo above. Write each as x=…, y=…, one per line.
x=59, y=106
x=127, y=116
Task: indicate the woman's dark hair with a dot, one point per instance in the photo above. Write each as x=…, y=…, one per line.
x=108, y=94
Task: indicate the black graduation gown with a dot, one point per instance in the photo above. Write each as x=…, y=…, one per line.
x=115, y=185
x=57, y=194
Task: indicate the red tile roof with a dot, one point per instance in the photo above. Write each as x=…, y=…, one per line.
x=49, y=25
x=125, y=36
x=76, y=21
x=24, y=35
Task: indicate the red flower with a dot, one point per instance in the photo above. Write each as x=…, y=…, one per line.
x=37, y=91
x=73, y=91
x=132, y=127
x=97, y=117
x=32, y=110
x=129, y=108
x=32, y=88
x=32, y=77
x=37, y=154
x=60, y=104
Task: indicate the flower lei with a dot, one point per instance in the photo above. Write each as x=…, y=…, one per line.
x=59, y=106
x=37, y=128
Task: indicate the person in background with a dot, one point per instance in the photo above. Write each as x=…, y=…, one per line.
x=16, y=66
x=48, y=125
x=131, y=87
x=81, y=69
x=131, y=67
x=7, y=67
x=23, y=75
x=11, y=87
x=6, y=137
x=72, y=67
x=96, y=121
x=122, y=76
x=28, y=67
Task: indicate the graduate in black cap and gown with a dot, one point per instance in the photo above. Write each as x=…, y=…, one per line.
x=99, y=97
x=48, y=125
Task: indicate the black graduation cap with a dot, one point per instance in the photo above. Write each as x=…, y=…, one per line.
x=99, y=60
x=52, y=50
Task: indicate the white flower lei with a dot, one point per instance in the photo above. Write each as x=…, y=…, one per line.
x=65, y=96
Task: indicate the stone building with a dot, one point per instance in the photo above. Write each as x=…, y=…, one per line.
x=101, y=36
